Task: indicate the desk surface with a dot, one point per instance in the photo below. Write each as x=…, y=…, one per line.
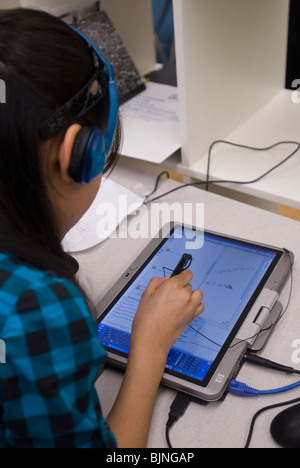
x=223, y=424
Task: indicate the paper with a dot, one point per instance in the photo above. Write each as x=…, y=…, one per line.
x=111, y=206
x=151, y=125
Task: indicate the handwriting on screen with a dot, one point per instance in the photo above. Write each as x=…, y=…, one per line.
x=227, y=272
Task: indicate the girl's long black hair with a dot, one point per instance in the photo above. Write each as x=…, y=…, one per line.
x=43, y=64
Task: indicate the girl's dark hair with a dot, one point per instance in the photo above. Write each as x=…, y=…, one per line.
x=43, y=64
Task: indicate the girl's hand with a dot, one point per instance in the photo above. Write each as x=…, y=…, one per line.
x=167, y=308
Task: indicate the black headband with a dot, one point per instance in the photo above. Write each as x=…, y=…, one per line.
x=79, y=105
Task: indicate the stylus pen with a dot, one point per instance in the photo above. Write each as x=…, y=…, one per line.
x=184, y=264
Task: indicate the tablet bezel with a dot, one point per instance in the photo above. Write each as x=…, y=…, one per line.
x=119, y=358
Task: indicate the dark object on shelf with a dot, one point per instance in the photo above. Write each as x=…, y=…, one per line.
x=293, y=53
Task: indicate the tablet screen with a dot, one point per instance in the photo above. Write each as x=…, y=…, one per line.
x=231, y=274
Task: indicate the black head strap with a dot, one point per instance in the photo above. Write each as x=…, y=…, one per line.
x=81, y=103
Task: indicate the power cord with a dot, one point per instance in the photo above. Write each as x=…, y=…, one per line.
x=208, y=181
x=262, y=362
x=251, y=148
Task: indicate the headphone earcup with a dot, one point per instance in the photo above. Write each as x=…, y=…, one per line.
x=88, y=155
x=78, y=153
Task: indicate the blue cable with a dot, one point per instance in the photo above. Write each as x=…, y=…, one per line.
x=243, y=390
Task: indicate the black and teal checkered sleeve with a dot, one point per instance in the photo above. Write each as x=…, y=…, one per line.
x=53, y=357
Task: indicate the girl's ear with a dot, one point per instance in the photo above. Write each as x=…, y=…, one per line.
x=65, y=153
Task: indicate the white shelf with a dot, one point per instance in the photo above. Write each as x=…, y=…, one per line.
x=277, y=121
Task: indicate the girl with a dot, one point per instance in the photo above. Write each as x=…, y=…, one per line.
x=53, y=357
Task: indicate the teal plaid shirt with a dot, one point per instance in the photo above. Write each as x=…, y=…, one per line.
x=53, y=357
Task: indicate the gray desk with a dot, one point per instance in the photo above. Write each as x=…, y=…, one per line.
x=223, y=424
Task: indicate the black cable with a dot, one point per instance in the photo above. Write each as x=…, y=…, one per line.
x=207, y=182
x=157, y=183
x=266, y=408
x=177, y=409
x=251, y=148
x=266, y=363
x=168, y=436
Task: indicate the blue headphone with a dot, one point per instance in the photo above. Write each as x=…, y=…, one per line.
x=91, y=146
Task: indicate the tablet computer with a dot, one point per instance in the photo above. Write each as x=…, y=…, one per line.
x=241, y=281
